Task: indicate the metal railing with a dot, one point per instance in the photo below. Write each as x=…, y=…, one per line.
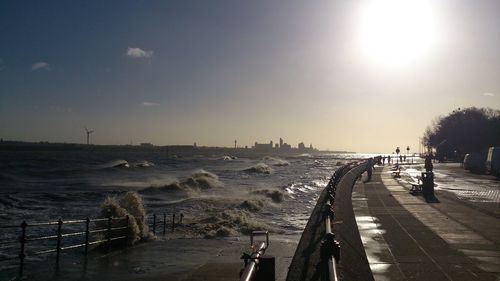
x=252, y=260
x=63, y=235
x=330, y=247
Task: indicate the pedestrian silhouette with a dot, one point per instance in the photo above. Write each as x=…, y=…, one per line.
x=428, y=163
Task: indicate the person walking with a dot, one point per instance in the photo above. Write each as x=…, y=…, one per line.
x=369, y=169
x=428, y=163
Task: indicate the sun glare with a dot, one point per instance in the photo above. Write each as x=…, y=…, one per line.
x=397, y=32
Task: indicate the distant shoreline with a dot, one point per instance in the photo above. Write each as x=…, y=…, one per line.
x=173, y=149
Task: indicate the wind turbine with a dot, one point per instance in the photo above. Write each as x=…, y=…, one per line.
x=88, y=134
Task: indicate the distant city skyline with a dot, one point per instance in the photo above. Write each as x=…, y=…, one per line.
x=363, y=76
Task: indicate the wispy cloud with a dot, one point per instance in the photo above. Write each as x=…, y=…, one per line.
x=138, y=53
x=489, y=94
x=147, y=103
x=40, y=66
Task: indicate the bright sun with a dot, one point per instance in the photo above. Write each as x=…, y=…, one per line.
x=397, y=32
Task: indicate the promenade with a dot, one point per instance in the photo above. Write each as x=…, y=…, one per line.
x=406, y=238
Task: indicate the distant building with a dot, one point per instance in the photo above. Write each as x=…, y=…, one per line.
x=281, y=142
x=286, y=146
x=263, y=146
x=302, y=146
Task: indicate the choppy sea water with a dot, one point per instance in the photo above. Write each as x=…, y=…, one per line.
x=217, y=194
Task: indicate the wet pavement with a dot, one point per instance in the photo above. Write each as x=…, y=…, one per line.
x=406, y=238
x=479, y=191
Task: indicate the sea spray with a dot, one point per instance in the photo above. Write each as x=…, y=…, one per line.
x=259, y=168
x=203, y=180
x=132, y=205
x=276, y=161
x=229, y=222
x=275, y=194
x=198, y=180
x=252, y=205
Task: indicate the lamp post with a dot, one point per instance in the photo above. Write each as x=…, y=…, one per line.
x=408, y=153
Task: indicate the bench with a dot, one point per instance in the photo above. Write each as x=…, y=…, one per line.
x=416, y=186
x=396, y=172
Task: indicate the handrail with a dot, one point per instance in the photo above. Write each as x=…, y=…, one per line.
x=252, y=260
x=250, y=270
x=109, y=227
x=330, y=248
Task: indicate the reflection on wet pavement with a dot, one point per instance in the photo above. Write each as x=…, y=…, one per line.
x=382, y=263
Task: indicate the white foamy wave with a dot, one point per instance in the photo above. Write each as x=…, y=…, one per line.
x=202, y=179
x=259, y=168
x=276, y=161
x=198, y=180
x=228, y=158
x=252, y=205
x=132, y=205
x=230, y=222
x=114, y=164
x=275, y=195
x=144, y=164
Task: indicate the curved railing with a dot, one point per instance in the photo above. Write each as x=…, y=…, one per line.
x=330, y=248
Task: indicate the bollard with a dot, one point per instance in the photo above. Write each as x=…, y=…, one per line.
x=87, y=223
x=22, y=255
x=266, y=270
x=59, y=236
x=428, y=184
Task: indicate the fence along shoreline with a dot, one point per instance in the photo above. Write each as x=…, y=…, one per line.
x=103, y=233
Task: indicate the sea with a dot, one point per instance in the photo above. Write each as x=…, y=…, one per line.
x=217, y=195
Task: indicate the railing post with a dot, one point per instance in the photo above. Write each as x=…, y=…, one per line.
x=87, y=224
x=164, y=223
x=22, y=255
x=126, y=229
x=109, y=233
x=59, y=236
x=154, y=224
x=173, y=222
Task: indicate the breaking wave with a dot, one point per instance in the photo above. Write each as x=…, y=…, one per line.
x=276, y=161
x=113, y=164
x=228, y=158
x=202, y=179
x=124, y=164
x=130, y=204
x=259, y=168
x=276, y=195
x=252, y=205
x=198, y=180
x=230, y=222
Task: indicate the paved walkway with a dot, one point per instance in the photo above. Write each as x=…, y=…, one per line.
x=406, y=238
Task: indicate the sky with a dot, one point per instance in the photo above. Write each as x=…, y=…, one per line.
x=362, y=75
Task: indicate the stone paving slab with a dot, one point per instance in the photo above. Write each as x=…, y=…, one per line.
x=431, y=241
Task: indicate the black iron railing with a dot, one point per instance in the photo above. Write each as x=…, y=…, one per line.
x=63, y=235
x=330, y=247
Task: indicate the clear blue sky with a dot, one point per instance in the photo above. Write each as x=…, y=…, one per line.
x=176, y=72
